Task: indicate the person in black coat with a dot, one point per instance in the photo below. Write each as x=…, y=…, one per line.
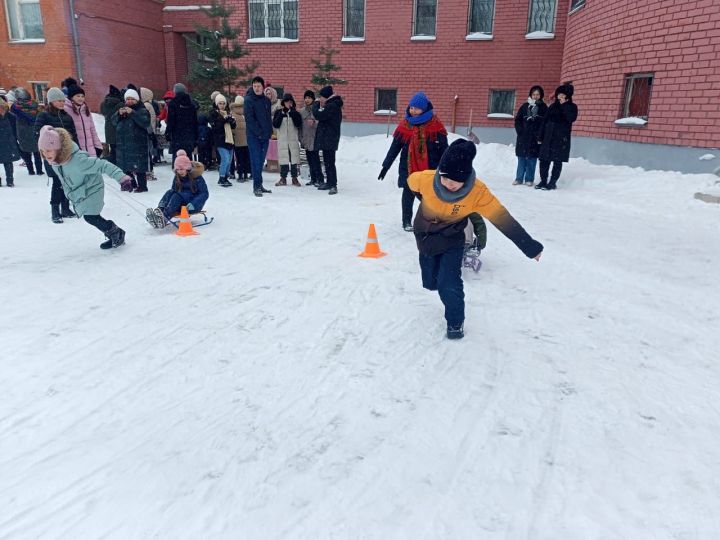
x=528, y=123
x=54, y=115
x=109, y=106
x=258, y=126
x=420, y=139
x=181, y=125
x=131, y=123
x=328, y=113
x=9, y=150
x=221, y=125
x=555, y=136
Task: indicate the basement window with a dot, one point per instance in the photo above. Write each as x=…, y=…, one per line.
x=385, y=101
x=636, y=100
x=502, y=104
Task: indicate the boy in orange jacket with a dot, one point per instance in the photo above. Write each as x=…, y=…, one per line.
x=448, y=196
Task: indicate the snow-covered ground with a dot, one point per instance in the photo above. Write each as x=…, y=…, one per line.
x=260, y=381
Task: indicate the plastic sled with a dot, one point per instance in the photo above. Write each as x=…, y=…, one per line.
x=205, y=219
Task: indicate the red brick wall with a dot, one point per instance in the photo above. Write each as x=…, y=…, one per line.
x=678, y=41
x=51, y=61
x=388, y=59
x=121, y=42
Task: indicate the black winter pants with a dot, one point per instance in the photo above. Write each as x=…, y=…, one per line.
x=545, y=168
x=330, y=170
x=242, y=160
x=408, y=199
x=443, y=273
x=9, y=169
x=99, y=222
x=28, y=159
x=57, y=195
x=313, y=159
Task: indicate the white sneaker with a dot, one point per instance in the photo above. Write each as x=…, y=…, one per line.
x=517, y=183
x=530, y=184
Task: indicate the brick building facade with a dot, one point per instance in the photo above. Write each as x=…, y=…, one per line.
x=644, y=72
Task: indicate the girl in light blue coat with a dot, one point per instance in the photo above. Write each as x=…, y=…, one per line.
x=82, y=180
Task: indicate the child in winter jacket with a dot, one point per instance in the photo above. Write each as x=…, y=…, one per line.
x=420, y=139
x=79, y=111
x=188, y=189
x=82, y=180
x=9, y=150
x=288, y=123
x=448, y=196
x=242, y=155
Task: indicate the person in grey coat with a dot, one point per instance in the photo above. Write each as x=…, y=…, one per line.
x=133, y=156
x=307, y=140
x=82, y=180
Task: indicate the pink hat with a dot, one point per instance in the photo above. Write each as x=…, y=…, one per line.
x=182, y=161
x=49, y=139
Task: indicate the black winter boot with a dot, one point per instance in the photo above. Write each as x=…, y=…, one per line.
x=65, y=210
x=455, y=331
x=115, y=237
x=56, y=217
x=542, y=185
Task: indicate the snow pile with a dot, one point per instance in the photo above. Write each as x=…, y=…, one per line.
x=261, y=381
x=631, y=121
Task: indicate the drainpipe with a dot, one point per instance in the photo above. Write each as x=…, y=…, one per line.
x=76, y=41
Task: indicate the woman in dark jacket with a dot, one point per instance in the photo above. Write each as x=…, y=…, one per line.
x=110, y=105
x=222, y=124
x=132, y=122
x=420, y=139
x=9, y=150
x=328, y=113
x=25, y=109
x=556, y=134
x=528, y=123
x=55, y=116
x=181, y=123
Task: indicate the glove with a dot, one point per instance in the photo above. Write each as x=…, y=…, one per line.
x=383, y=172
x=190, y=207
x=126, y=183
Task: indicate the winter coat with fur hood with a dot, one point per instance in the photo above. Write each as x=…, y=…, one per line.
x=239, y=133
x=81, y=176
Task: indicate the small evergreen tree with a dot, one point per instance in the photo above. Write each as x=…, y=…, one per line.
x=217, y=46
x=325, y=68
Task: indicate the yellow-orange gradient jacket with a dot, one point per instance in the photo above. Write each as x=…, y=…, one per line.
x=439, y=225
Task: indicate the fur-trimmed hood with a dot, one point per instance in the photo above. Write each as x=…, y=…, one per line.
x=197, y=169
x=67, y=147
x=237, y=108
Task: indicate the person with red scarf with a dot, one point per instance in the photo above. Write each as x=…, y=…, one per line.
x=420, y=139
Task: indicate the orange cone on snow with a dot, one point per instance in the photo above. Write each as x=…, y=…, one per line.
x=185, y=228
x=372, y=246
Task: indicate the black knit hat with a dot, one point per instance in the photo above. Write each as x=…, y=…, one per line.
x=539, y=89
x=309, y=93
x=67, y=83
x=326, y=91
x=74, y=91
x=259, y=79
x=115, y=91
x=566, y=89
x=457, y=161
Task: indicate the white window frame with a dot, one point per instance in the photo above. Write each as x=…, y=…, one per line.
x=19, y=22
x=345, y=35
x=45, y=85
x=578, y=6
x=541, y=34
x=266, y=38
x=479, y=35
x=423, y=37
x=629, y=83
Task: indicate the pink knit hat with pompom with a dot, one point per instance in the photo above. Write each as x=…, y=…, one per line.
x=182, y=161
x=49, y=139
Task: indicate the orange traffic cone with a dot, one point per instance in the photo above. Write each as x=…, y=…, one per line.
x=185, y=228
x=372, y=247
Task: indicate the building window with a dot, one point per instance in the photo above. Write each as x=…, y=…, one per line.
x=273, y=19
x=39, y=90
x=636, y=103
x=425, y=15
x=502, y=103
x=482, y=13
x=576, y=4
x=354, y=14
x=24, y=19
x=197, y=48
x=385, y=100
x=542, y=16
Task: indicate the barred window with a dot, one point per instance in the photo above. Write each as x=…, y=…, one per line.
x=385, y=99
x=482, y=13
x=575, y=4
x=636, y=102
x=39, y=90
x=24, y=19
x=354, y=14
x=502, y=102
x=273, y=19
x=425, y=16
x=542, y=16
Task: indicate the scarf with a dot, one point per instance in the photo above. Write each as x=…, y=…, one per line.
x=28, y=109
x=228, y=130
x=420, y=119
x=417, y=137
x=445, y=195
